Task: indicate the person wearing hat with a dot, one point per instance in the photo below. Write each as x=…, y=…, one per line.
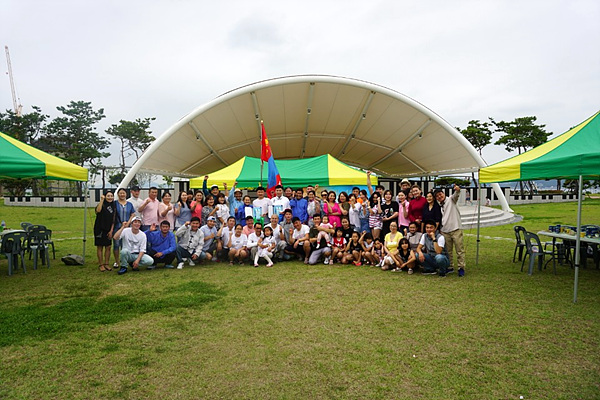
x=134, y=246
x=405, y=186
x=234, y=199
x=210, y=242
x=214, y=189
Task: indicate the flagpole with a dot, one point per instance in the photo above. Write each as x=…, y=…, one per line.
x=262, y=162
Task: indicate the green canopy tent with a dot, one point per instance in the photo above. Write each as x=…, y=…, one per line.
x=22, y=161
x=573, y=155
x=325, y=171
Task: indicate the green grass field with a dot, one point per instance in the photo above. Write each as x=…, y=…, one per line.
x=296, y=331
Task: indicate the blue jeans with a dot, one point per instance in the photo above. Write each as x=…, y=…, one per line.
x=438, y=263
x=364, y=225
x=127, y=257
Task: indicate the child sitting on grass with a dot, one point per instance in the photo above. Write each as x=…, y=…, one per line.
x=353, y=250
x=338, y=245
x=406, y=255
x=266, y=245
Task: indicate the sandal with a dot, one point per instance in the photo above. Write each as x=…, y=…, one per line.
x=107, y=267
x=101, y=268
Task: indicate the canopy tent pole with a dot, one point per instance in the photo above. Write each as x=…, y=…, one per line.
x=478, y=218
x=578, y=240
x=85, y=197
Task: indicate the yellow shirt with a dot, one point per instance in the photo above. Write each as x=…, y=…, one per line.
x=392, y=243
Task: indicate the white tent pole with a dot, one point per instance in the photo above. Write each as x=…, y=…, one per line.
x=478, y=218
x=85, y=196
x=578, y=240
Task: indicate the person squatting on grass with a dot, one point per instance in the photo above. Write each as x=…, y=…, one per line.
x=407, y=257
x=431, y=253
x=161, y=244
x=134, y=246
x=319, y=246
x=390, y=248
x=452, y=227
x=191, y=241
x=125, y=209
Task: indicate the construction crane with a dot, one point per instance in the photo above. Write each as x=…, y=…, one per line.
x=17, y=106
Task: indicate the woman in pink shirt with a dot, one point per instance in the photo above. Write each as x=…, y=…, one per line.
x=403, y=220
x=196, y=205
x=332, y=210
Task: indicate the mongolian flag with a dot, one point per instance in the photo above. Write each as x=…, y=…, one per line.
x=267, y=155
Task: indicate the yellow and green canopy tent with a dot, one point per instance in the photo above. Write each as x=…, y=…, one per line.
x=325, y=171
x=22, y=161
x=573, y=155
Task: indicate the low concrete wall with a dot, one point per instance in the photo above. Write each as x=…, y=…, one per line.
x=94, y=196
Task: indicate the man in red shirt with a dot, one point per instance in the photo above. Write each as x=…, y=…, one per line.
x=415, y=207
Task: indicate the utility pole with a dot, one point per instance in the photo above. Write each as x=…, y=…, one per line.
x=17, y=106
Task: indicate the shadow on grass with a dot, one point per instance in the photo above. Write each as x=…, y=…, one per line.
x=40, y=322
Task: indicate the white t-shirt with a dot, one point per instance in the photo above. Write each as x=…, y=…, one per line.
x=134, y=243
x=282, y=201
x=441, y=241
x=136, y=202
x=252, y=240
x=264, y=203
x=222, y=212
x=300, y=233
x=276, y=232
x=237, y=242
x=225, y=235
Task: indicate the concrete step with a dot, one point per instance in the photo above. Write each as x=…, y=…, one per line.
x=488, y=217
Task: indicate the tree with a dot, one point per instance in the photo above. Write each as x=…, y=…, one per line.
x=134, y=137
x=521, y=134
x=479, y=135
x=73, y=136
x=26, y=127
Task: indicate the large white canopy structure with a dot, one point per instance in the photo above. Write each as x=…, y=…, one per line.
x=358, y=122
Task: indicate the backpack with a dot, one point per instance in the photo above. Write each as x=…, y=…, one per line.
x=72, y=259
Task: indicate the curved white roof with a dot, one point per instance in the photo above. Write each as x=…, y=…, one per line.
x=360, y=123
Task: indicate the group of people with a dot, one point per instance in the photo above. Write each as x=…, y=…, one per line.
x=361, y=228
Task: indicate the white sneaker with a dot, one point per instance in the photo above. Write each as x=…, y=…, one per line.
x=326, y=260
x=180, y=265
x=192, y=263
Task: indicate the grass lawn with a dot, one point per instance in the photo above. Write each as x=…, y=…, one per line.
x=296, y=331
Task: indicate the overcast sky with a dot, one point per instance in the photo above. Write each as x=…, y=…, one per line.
x=462, y=59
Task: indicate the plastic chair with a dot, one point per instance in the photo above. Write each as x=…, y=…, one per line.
x=34, y=226
x=25, y=225
x=36, y=242
x=13, y=246
x=520, y=245
x=535, y=250
x=50, y=242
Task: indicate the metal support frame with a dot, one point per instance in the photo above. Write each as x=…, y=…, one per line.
x=208, y=146
x=361, y=117
x=418, y=133
x=311, y=91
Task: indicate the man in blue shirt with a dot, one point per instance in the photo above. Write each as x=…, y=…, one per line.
x=161, y=244
x=234, y=199
x=299, y=207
